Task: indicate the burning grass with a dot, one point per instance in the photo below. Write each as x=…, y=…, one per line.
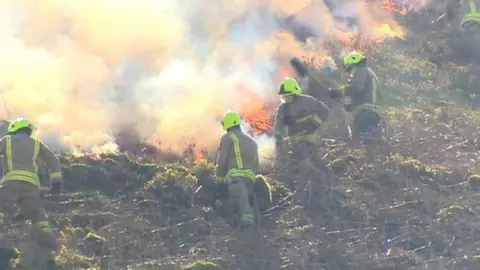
x=413, y=208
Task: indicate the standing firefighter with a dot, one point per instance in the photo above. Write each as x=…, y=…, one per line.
x=468, y=16
x=237, y=165
x=299, y=117
x=465, y=15
x=20, y=184
x=362, y=95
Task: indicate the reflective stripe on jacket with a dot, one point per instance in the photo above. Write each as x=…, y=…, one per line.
x=471, y=14
x=237, y=156
x=21, y=175
x=239, y=171
x=363, y=89
x=304, y=136
x=300, y=119
x=21, y=159
x=373, y=106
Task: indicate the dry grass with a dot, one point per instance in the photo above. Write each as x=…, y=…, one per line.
x=415, y=208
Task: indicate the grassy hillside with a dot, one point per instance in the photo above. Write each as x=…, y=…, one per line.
x=412, y=209
x=415, y=208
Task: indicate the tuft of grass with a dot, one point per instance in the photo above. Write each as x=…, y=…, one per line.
x=201, y=265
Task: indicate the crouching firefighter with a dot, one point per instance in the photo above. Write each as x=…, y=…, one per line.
x=237, y=166
x=21, y=185
x=297, y=122
x=361, y=97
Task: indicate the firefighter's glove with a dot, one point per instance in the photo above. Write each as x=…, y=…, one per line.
x=56, y=188
x=349, y=107
x=335, y=93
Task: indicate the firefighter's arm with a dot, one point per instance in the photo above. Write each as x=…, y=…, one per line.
x=322, y=110
x=52, y=162
x=222, y=157
x=2, y=146
x=278, y=124
x=256, y=159
x=318, y=113
x=2, y=153
x=325, y=81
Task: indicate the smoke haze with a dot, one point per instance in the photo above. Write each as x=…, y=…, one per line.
x=165, y=70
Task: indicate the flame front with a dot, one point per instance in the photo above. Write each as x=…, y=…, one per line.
x=393, y=6
x=385, y=31
x=257, y=115
x=168, y=87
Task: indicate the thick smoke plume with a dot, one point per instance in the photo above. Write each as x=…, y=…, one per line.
x=85, y=71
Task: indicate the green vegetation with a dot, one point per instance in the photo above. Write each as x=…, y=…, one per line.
x=414, y=208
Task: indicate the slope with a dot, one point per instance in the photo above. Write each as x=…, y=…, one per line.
x=412, y=209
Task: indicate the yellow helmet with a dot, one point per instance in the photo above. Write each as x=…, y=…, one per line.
x=18, y=124
x=231, y=119
x=289, y=86
x=353, y=58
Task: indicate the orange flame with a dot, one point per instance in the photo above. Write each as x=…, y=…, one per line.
x=386, y=30
x=195, y=153
x=391, y=6
x=199, y=156
x=256, y=112
x=374, y=29
x=285, y=72
x=257, y=115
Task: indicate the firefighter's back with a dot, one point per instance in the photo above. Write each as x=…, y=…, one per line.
x=303, y=106
x=369, y=92
x=244, y=153
x=22, y=153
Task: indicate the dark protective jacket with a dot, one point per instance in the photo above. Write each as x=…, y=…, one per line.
x=301, y=119
x=362, y=89
x=21, y=158
x=3, y=127
x=237, y=155
x=468, y=11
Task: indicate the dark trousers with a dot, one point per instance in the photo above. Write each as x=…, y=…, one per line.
x=366, y=123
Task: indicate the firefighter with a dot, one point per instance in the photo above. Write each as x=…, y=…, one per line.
x=297, y=122
x=237, y=166
x=465, y=39
x=299, y=115
x=20, y=183
x=317, y=85
x=465, y=12
x=361, y=96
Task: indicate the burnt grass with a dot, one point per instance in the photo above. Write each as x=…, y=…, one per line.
x=414, y=208
x=412, y=205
